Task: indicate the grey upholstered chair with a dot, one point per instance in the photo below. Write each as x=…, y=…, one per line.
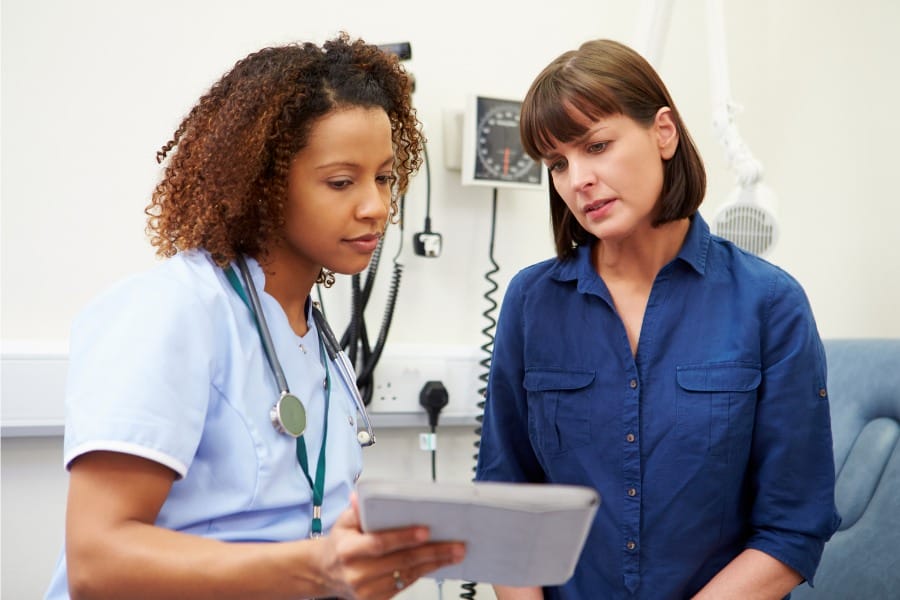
x=862, y=560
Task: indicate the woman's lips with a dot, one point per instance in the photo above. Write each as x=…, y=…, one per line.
x=365, y=243
x=599, y=208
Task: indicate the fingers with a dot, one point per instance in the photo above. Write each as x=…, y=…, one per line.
x=380, y=564
x=412, y=563
x=415, y=562
x=349, y=518
x=379, y=543
x=386, y=576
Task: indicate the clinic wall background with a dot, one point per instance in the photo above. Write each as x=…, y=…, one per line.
x=91, y=89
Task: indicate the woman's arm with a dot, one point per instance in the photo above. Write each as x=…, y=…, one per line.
x=113, y=547
x=752, y=575
x=518, y=593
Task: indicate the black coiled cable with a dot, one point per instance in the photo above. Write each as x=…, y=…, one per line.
x=355, y=339
x=488, y=330
x=469, y=587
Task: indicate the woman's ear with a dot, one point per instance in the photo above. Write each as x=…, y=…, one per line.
x=666, y=132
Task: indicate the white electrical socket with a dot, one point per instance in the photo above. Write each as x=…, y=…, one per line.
x=404, y=369
x=399, y=379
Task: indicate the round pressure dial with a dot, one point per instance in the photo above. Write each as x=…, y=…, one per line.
x=499, y=152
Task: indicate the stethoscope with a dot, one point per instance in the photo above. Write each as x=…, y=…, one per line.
x=288, y=414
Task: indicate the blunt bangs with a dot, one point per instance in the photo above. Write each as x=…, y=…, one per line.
x=601, y=79
x=561, y=106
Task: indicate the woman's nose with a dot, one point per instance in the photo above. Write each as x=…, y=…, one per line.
x=375, y=203
x=581, y=176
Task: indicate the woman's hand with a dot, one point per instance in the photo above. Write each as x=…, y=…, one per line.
x=372, y=566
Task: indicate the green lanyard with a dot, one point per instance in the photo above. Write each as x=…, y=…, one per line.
x=317, y=486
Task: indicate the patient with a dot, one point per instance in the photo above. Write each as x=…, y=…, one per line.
x=679, y=376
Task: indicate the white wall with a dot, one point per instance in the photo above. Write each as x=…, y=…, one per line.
x=91, y=89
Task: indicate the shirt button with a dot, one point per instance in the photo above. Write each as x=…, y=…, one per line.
x=629, y=438
x=822, y=393
x=632, y=492
x=633, y=383
x=630, y=545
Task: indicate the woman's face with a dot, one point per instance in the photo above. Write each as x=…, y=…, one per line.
x=339, y=191
x=611, y=178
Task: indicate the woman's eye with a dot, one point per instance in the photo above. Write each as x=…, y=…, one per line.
x=339, y=184
x=556, y=165
x=386, y=179
x=598, y=147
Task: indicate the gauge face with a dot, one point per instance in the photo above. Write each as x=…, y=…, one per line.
x=499, y=154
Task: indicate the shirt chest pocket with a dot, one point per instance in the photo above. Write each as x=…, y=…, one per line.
x=715, y=406
x=559, y=408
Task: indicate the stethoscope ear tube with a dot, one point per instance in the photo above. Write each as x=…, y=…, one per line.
x=263, y=328
x=365, y=437
x=331, y=343
x=288, y=415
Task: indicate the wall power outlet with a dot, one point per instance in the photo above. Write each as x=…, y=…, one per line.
x=405, y=368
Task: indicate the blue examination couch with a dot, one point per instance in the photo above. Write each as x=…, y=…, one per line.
x=862, y=560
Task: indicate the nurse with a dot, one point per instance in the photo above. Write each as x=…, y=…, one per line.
x=206, y=416
x=682, y=378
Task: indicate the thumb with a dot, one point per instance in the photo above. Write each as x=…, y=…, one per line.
x=349, y=519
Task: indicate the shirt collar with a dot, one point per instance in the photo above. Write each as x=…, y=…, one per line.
x=693, y=251
x=695, y=248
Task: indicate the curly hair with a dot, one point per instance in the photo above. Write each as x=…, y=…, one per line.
x=224, y=188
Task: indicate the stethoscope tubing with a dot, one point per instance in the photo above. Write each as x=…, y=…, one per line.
x=332, y=347
x=345, y=367
x=263, y=327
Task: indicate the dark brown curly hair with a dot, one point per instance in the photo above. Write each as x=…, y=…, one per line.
x=224, y=188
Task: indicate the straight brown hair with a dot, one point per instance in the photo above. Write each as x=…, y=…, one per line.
x=604, y=78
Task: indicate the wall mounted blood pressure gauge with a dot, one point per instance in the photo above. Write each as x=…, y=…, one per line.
x=492, y=148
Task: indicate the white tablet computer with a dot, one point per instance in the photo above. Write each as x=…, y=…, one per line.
x=515, y=533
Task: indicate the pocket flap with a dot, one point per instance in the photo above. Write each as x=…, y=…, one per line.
x=541, y=380
x=718, y=378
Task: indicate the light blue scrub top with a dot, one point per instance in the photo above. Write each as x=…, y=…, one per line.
x=168, y=365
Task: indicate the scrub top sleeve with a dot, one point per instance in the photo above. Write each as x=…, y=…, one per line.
x=505, y=451
x=140, y=369
x=794, y=513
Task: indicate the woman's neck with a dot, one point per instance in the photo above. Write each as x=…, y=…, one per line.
x=289, y=281
x=642, y=254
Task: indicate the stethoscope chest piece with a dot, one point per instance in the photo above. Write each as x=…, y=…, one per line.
x=288, y=415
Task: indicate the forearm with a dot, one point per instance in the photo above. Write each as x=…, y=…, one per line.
x=113, y=547
x=504, y=592
x=752, y=575
x=166, y=564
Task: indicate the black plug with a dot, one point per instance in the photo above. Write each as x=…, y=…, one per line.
x=427, y=243
x=433, y=399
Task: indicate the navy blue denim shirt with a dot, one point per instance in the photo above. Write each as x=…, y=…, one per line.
x=714, y=438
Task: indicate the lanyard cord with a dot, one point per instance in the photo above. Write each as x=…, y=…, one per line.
x=317, y=486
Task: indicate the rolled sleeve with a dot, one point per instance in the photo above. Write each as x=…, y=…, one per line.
x=794, y=513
